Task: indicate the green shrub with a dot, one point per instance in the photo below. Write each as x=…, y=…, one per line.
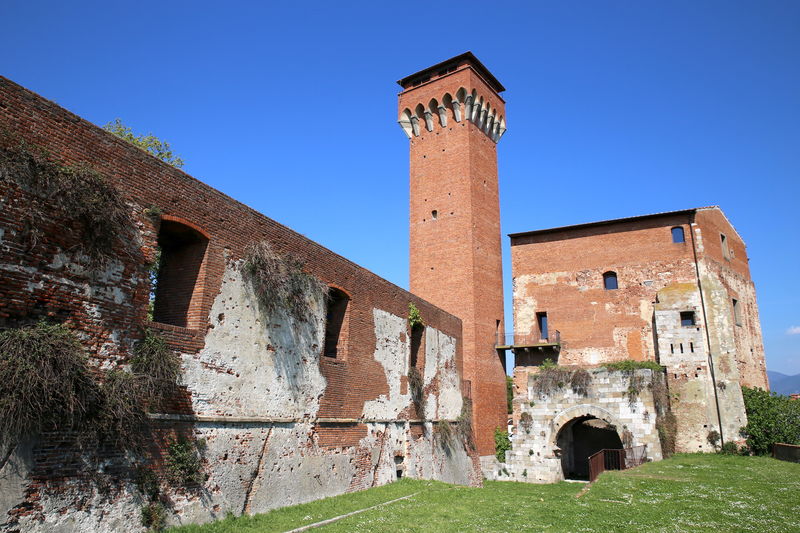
x=154, y=516
x=729, y=448
x=510, y=394
x=771, y=418
x=501, y=444
x=158, y=365
x=630, y=365
x=184, y=467
x=713, y=438
x=414, y=317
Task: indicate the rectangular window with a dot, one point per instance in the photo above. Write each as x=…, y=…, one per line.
x=726, y=253
x=737, y=312
x=687, y=318
x=541, y=319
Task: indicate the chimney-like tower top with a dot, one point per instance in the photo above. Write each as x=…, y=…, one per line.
x=465, y=60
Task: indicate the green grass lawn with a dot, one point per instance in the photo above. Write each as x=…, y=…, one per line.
x=699, y=492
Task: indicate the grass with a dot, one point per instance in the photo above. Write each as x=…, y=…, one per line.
x=684, y=493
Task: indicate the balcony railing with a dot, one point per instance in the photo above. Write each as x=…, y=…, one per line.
x=511, y=340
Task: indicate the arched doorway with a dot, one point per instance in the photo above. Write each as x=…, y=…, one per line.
x=581, y=437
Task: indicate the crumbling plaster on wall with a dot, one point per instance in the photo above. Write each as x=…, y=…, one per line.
x=440, y=366
x=256, y=363
x=392, y=351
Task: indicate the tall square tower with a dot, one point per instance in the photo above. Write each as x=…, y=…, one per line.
x=454, y=116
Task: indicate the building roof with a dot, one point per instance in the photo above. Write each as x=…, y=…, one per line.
x=465, y=58
x=609, y=222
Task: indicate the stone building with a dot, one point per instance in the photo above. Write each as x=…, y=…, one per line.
x=673, y=288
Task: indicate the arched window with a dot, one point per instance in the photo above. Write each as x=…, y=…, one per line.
x=677, y=234
x=177, y=298
x=336, y=324
x=610, y=280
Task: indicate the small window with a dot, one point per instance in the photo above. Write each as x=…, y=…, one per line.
x=687, y=318
x=726, y=253
x=336, y=324
x=677, y=234
x=610, y=280
x=434, y=214
x=541, y=320
x=737, y=312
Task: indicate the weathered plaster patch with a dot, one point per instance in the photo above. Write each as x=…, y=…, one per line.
x=392, y=352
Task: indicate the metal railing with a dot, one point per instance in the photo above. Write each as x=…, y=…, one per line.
x=527, y=339
x=616, y=460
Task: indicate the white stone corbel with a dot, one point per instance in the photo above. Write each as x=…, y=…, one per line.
x=428, y=120
x=482, y=120
x=457, y=110
x=405, y=125
x=415, y=126
x=442, y=115
x=468, y=106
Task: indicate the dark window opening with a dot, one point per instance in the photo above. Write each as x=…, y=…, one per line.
x=677, y=234
x=691, y=347
x=724, y=241
x=177, y=298
x=687, y=318
x=417, y=336
x=681, y=345
x=737, y=312
x=610, y=280
x=434, y=214
x=335, y=323
x=541, y=320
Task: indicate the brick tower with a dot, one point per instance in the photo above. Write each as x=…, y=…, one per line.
x=454, y=116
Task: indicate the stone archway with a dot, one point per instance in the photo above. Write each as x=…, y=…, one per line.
x=582, y=431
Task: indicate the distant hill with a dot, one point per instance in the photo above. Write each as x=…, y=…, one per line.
x=783, y=384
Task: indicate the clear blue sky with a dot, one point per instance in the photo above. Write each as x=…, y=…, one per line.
x=614, y=109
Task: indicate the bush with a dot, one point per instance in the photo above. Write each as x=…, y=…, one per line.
x=415, y=387
x=154, y=516
x=501, y=444
x=183, y=463
x=158, y=365
x=464, y=424
x=45, y=382
x=630, y=365
x=729, y=448
x=713, y=438
x=510, y=394
x=79, y=196
x=771, y=418
x=280, y=282
x=414, y=317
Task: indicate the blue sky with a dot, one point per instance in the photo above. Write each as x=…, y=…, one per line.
x=614, y=109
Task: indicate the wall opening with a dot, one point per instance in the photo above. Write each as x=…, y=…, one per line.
x=336, y=324
x=417, y=337
x=726, y=253
x=581, y=437
x=177, y=298
x=677, y=234
x=687, y=318
x=610, y=280
x=737, y=312
x=541, y=320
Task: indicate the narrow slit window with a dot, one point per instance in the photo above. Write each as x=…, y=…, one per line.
x=737, y=312
x=691, y=347
x=610, y=281
x=677, y=234
x=541, y=319
x=336, y=324
x=726, y=253
x=687, y=318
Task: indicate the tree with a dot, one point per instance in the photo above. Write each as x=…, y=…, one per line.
x=149, y=143
x=771, y=418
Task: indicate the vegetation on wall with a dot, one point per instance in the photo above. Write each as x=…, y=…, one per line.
x=149, y=143
x=414, y=317
x=630, y=365
x=501, y=444
x=183, y=461
x=79, y=196
x=280, y=282
x=771, y=418
x=510, y=394
x=415, y=387
x=552, y=377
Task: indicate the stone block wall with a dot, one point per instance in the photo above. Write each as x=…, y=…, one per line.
x=535, y=456
x=282, y=423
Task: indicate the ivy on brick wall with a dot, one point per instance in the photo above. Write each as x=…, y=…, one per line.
x=78, y=196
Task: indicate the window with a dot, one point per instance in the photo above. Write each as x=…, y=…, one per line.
x=726, y=253
x=610, y=280
x=177, y=298
x=541, y=320
x=335, y=323
x=737, y=312
x=687, y=318
x=677, y=234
